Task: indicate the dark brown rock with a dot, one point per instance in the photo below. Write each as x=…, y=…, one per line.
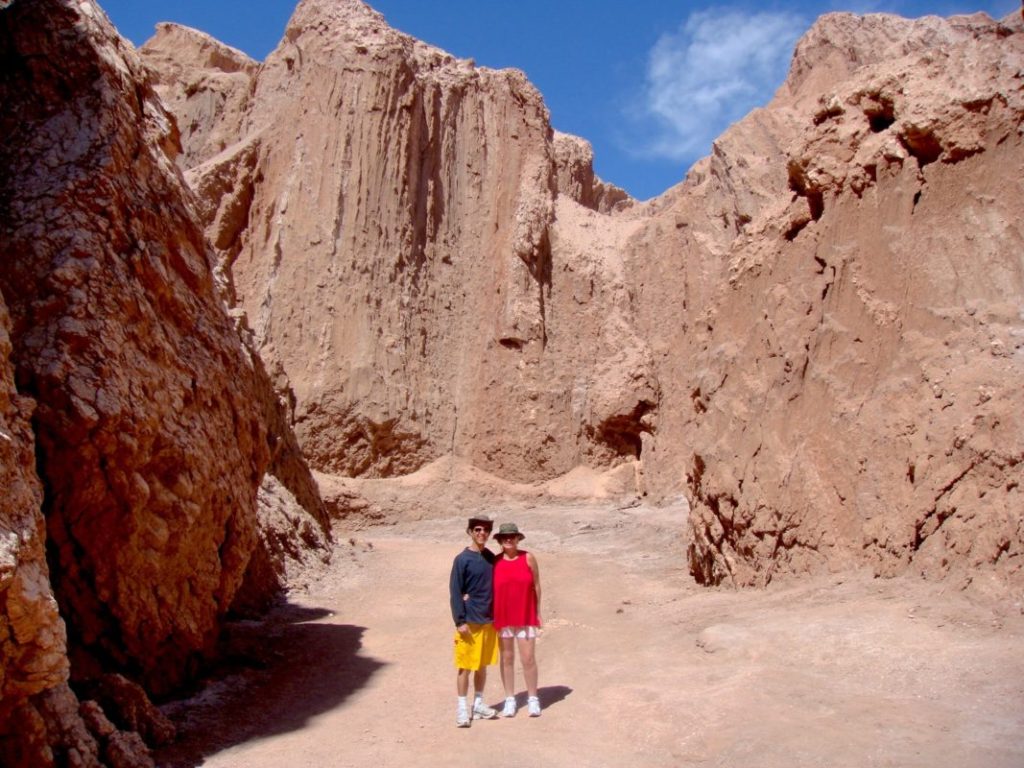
x=128, y=706
x=150, y=437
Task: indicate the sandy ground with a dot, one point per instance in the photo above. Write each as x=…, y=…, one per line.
x=638, y=665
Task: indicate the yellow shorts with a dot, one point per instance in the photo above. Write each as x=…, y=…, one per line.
x=477, y=651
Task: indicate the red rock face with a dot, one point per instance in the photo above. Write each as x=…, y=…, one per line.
x=33, y=651
x=151, y=444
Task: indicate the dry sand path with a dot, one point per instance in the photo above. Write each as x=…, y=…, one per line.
x=639, y=666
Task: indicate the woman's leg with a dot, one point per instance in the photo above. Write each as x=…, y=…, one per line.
x=508, y=665
x=528, y=659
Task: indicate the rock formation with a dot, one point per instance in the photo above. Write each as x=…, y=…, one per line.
x=814, y=337
x=817, y=337
x=153, y=424
x=118, y=334
x=386, y=212
x=33, y=650
x=850, y=359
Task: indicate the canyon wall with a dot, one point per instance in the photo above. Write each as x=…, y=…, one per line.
x=440, y=273
x=144, y=464
x=847, y=384
x=817, y=337
x=386, y=213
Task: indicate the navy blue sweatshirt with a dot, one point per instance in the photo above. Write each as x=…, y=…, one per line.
x=473, y=575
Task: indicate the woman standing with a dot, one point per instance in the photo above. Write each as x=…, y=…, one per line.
x=517, y=615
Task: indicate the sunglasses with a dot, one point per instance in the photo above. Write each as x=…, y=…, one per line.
x=481, y=529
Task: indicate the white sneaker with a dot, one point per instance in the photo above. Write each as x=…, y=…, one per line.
x=510, y=707
x=533, y=706
x=462, y=717
x=482, y=712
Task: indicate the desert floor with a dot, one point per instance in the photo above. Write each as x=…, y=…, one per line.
x=639, y=666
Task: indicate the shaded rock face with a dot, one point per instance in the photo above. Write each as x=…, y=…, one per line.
x=387, y=213
x=33, y=652
x=855, y=353
x=292, y=543
x=150, y=440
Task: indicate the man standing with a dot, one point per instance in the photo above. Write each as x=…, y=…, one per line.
x=471, y=591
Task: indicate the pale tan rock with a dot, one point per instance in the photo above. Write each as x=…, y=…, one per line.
x=852, y=397
x=387, y=212
x=204, y=83
x=574, y=162
x=815, y=336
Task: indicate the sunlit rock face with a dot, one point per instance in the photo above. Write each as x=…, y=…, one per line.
x=850, y=346
x=814, y=337
x=389, y=215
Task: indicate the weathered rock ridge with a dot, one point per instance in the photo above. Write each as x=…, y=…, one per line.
x=854, y=393
x=816, y=337
x=152, y=422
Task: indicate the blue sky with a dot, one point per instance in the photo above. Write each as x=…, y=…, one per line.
x=650, y=83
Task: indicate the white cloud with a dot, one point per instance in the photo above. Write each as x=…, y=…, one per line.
x=717, y=67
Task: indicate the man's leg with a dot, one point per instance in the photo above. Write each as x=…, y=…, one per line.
x=480, y=709
x=462, y=711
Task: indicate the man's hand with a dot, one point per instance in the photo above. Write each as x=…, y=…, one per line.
x=463, y=629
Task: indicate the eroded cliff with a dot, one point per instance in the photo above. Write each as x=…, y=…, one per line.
x=850, y=366
x=817, y=337
x=387, y=213
x=765, y=338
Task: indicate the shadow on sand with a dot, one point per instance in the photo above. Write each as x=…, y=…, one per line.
x=280, y=673
x=548, y=695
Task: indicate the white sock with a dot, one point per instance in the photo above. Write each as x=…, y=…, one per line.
x=462, y=702
x=478, y=698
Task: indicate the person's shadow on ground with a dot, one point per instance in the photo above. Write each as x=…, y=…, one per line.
x=548, y=695
x=277, y=675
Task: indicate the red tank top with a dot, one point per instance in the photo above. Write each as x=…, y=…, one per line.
x=515, y=601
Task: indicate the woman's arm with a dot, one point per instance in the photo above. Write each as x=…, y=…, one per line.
x=535, y=570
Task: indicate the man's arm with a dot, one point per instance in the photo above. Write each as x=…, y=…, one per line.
x=455, y=594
